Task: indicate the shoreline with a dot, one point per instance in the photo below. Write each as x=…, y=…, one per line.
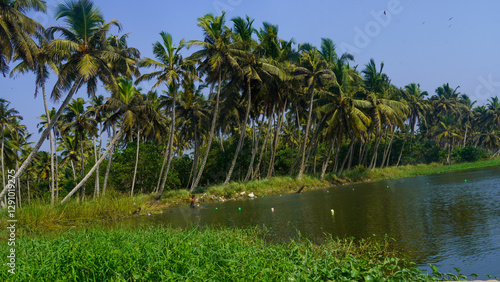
x=40, y=217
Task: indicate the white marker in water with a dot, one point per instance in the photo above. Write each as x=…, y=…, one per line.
x=333, y=212
x=272, y=209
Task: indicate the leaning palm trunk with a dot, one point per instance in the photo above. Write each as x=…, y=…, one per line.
x=52, y=150
x=136, y=162
x=339, y=173
x=162, y=168
x=3, y=168
x=303, y=153
x=82, y=164
x=211, y=136
x=108, y=168
x=96, y=165
x=256, y=171
x=45, y=133
x=243, y=132
x=402, y=148
x=327, y=160
x=276, y=138
x=18, y=202
x=170, y=148
x=387, y=155
x=254, y=149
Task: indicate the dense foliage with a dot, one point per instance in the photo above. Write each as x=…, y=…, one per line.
x=239, y=104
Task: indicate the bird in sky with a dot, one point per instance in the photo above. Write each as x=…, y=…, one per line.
x=450, y=18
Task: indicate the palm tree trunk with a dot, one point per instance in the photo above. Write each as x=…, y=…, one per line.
x=108, y=168
x=170, y=148
x=162, y=168
x=276, y=138
x=387, y=147
x=3, y=163
x=327, y=159
x=351, y=154
x=52, y=149
x=346, y=157
x=402, y=148
x=96, y=183
x=211, y=136
x=28, y=187
x=56, y=164
x=337, y=153
x=254, y=150
x=243, y=132
x=45, y=133
x=264, y=145
x=74, y=171
x=136, y=161
x=18, y=202
x=302, y=162
x=96, y=165
x=82, y=164
x=388, y=157
x=373, y=162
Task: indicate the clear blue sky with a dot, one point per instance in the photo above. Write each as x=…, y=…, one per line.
x=427, y=42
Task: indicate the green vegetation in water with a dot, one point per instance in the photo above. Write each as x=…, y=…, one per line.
x=165, y=254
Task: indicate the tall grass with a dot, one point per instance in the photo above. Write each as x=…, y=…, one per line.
x=166, y=254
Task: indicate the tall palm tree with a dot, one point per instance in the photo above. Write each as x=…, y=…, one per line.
x=172, y=68
x=41, y=66
x=16, y=30
x=128, y=111
x=217, y=59
x=7, y=117
x=314, y=71
x=417, y=107
x=128, y=108
x=85, y=55
x=78, y=119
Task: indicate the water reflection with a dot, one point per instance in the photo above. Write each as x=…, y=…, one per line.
x=448, y=219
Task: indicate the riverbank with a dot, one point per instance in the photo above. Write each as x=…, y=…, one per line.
x=40, y=216
x=204, y=254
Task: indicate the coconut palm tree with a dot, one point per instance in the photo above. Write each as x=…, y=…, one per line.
x=17, y=29
x=78, y=119
x=172, y=67
x=217, y=59
x=418, y=108
x=314, y=72
x=127, y=110
x=41, y=66
x=7, y=117
x=84, y=52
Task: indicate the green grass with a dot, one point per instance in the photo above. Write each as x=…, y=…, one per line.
x=359, y=174
x=267, y=186
x=166, y=254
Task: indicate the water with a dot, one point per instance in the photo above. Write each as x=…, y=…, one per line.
x=448, y=219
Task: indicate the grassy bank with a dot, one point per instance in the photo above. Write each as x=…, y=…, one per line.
x=364, y=175
x=40, y=216
x=166, y=254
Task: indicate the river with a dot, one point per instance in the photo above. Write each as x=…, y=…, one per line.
x=448, y=219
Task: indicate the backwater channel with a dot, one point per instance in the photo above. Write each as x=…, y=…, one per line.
x=449, y=219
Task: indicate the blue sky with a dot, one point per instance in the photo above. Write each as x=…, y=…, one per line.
x=427, y=42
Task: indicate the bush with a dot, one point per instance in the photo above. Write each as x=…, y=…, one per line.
x=468, y=154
